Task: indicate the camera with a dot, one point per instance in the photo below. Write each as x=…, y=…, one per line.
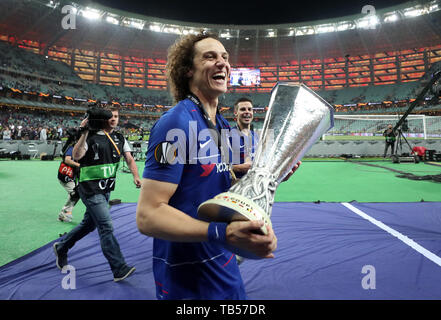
x=98, y=117
x=405, y=126
x=73, y=133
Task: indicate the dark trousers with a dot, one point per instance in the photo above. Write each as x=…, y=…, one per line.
x=392, y=145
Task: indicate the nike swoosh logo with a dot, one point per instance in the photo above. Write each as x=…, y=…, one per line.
x=202, y=145
x=207, y=157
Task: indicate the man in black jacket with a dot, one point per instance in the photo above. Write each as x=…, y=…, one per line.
x=99, y=153
x=390, y=136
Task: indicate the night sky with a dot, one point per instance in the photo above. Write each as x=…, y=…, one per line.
x=246, y=12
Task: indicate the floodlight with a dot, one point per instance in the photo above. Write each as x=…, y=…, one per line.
x=413, y=12
x=368, y=23
x=112, y=20
x=304, y=31
x=324, y=28
x=433, y=7
x=391, y=17
x=171, y=29
x=91, y=14
x=137, y=24
x=343, y=26
x=53, y=4
x=155, y=27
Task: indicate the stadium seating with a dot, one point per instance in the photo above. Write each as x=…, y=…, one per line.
x=34, y=73
x=28, y=63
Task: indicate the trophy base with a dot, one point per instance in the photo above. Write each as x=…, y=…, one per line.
x=228, y=207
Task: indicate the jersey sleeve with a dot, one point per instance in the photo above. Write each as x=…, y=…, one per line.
x=126, y=146
x=69, y=152
x=166, y=153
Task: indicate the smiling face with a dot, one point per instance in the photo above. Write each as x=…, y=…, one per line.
x=244, y=113
x=211, y=69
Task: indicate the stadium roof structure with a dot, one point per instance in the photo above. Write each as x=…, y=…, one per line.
x=97, y=28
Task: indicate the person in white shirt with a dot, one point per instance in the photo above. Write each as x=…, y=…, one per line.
x=43, y=134
x=7, y=134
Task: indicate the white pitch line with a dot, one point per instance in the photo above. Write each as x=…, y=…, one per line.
x=429, y=255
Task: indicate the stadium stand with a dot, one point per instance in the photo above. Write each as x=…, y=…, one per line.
x=31, y=72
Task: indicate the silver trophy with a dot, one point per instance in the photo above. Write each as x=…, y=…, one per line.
x=296, y=118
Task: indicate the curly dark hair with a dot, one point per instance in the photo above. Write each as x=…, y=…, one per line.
x=180, y=62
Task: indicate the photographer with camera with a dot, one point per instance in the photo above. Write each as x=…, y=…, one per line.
x=67, y=174
x=99, y=150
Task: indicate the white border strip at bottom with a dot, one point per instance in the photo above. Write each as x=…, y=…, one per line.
x=429, y=255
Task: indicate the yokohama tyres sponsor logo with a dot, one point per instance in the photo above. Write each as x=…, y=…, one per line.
x=222, y=167
x=208, y=168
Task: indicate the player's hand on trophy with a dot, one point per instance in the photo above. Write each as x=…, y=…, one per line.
x=242, y=234
x=292, y=171
x=242, y=168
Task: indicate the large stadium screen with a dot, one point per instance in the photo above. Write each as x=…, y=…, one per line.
x=244, y=77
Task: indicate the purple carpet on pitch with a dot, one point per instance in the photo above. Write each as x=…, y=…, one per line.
x=325, y=251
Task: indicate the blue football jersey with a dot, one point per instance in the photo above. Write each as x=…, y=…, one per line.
x=183, y=151
x=242, y=146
